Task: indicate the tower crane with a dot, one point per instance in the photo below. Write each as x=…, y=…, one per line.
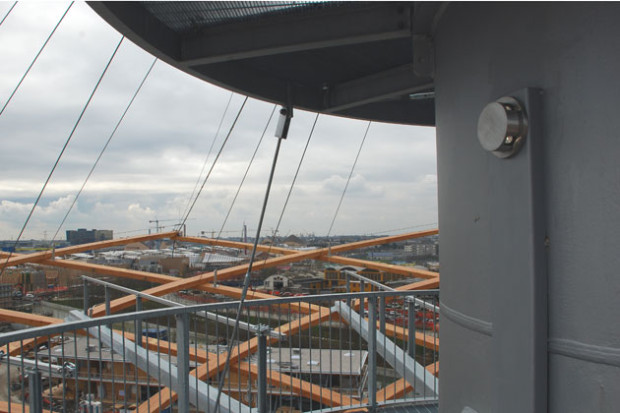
x=157, y=221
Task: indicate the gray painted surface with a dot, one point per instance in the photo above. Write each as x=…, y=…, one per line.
x=572, y=52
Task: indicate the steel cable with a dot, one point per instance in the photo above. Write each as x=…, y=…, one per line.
x=246, y=173
x=49, y=177
x=348, y=180
x=92, y=169
x=301, y=160
x=232, y=127
x=34, y=60
x=290, y=190
x=7, y=13
x=204, y=164
x=246, y=281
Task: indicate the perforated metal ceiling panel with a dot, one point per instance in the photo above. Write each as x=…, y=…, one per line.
x=370, y=60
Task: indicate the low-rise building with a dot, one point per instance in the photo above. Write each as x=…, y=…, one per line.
x=84, y=236
x=336, y=278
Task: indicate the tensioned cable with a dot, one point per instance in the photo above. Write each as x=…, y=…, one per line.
x=232, y=204
x=36, y=202
x=387, y=231
x=7, y=13
x=232, y=127
x=290, y=190
x=204, y=164
x=246, y=281
x=35, y=59
x=348, y=180
x=92, y=169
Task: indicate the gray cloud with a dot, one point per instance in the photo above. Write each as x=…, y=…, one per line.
x=153, y=162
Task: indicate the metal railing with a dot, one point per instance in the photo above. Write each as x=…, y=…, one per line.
x=327, y=352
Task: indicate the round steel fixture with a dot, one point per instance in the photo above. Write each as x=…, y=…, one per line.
x=502, y=127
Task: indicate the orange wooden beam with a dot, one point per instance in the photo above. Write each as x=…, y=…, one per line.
x=237, y=245
x=223, y=274
x=34, y=320
x=333, y=250
x=375, y=265
x=428, y=341
x=401, y=387
x=151, y=277
x=112, y=271
x=304, y=388
x=206, y=371
x=433, y=368
x=197, y=280
x=158, y=402
x=6, y=407
x=299, y=387
x=39, y=256
x=421, y=285
x=394, y=390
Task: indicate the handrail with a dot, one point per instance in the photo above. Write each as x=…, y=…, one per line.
x=338, y=358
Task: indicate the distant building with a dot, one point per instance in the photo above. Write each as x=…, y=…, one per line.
x=336, y=278
x=277, y=282
x=84, y=236
x=136, y=246
x=422, y=249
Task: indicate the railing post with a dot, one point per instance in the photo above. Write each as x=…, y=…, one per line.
x=348, y=286
x=215, y=278
x=372, y=353
x=263, y=331
x=86, y=302
x=35, y=399
x=362, y=305
x=138, y=331
x=106, y=292
x=410, y=326
x=382, y=310
x=182, y=389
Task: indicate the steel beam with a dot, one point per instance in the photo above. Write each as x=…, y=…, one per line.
x=200, y=393
x=308, y=31
x=401, y=362
x=389, y=84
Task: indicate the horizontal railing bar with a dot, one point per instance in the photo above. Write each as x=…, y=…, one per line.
x=377, y=284
x=119, y=318
x=64, y=370
x=206, y=314
x=126, y=290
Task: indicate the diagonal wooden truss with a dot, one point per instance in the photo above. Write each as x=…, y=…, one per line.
x=314, y=314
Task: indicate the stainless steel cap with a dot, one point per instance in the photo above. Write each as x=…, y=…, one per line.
x=502, y=127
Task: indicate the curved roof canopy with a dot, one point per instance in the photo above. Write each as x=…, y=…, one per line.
x=369, y=60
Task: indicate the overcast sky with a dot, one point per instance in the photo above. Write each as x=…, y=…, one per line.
x=154, y=160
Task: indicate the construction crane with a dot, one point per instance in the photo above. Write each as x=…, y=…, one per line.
x=157, y=221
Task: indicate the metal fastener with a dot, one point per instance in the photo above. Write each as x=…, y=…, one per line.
x=502, y=127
